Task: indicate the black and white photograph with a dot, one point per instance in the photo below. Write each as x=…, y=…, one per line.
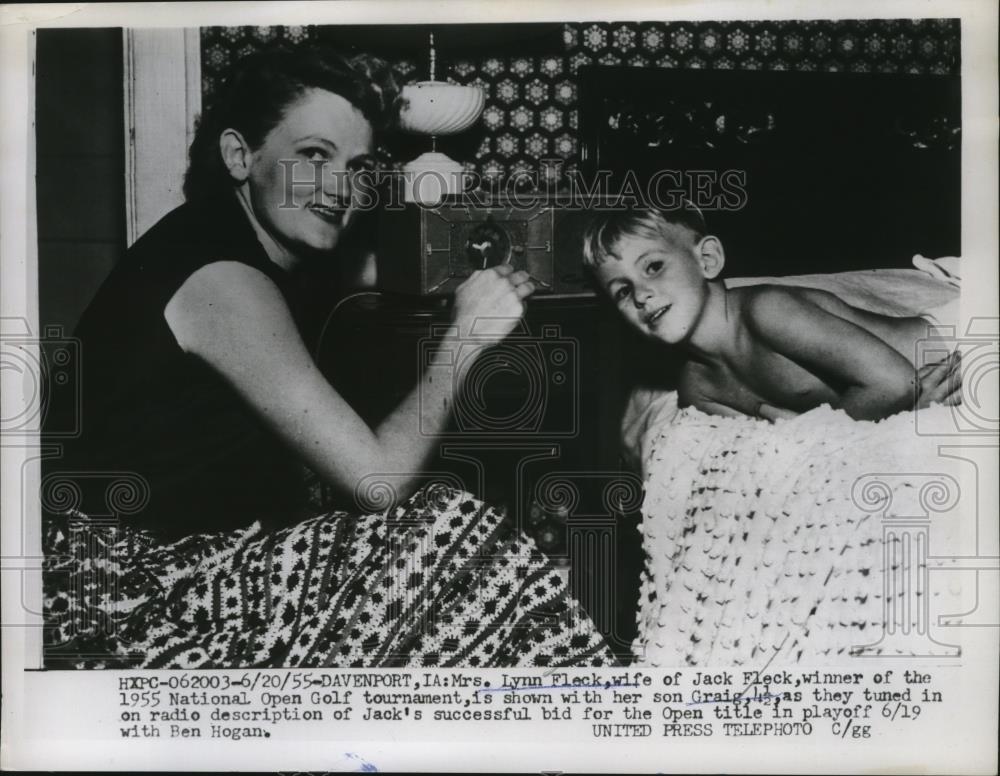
x=595, y=388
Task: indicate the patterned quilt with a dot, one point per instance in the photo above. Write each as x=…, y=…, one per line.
x=442, y=581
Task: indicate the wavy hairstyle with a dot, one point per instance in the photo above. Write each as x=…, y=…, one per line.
x=258, y=90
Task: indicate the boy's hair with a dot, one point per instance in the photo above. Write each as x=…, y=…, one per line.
x=605, y=228
x=259, y=89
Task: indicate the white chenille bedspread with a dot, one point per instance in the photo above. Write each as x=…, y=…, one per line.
x=761, y=537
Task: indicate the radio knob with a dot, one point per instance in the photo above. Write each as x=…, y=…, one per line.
x=487, y=245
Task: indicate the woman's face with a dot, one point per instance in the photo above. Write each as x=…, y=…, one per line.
x=299, y=178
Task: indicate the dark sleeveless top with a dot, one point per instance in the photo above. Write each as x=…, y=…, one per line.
x=149, y=408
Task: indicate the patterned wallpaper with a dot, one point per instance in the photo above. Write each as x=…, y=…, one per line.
x=531, y=108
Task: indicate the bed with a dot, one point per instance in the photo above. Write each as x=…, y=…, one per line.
x=777, y=542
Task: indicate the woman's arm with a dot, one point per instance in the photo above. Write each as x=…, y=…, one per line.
x=235, y=319
x=878, y=380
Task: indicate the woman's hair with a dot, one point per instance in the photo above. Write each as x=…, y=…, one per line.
x=606, y=227
x=258, y=90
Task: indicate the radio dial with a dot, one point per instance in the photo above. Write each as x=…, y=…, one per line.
x=488, y=245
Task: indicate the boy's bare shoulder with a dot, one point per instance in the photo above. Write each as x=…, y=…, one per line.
x=773, y=305
x=768, y=295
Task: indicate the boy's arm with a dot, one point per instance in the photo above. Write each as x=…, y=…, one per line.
x=878, y=380
x=694, y=390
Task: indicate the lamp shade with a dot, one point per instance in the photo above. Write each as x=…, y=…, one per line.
x=440, y=108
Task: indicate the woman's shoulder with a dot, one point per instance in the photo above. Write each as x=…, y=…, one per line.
x=230, y=315
x=224, y=283
x=189, y=238
x=201, y=228
x=192, y=236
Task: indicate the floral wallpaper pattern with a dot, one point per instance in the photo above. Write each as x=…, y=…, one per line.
x=532, y=101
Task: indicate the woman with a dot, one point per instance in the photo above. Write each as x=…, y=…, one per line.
x=197, y=383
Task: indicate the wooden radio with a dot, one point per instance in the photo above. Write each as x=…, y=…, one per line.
x=429, y=250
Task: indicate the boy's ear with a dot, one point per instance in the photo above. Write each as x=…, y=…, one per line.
x=711, y=256
x=236, y=154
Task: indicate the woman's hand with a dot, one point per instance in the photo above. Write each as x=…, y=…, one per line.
x=491, y=302
x=940, y=382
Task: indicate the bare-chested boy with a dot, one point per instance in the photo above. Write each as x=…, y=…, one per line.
x=761, y=350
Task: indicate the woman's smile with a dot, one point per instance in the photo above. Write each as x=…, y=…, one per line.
x=331, y=215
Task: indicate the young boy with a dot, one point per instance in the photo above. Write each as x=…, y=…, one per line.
x=766, y=351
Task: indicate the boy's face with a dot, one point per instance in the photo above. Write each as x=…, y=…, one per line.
x=658, y=284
